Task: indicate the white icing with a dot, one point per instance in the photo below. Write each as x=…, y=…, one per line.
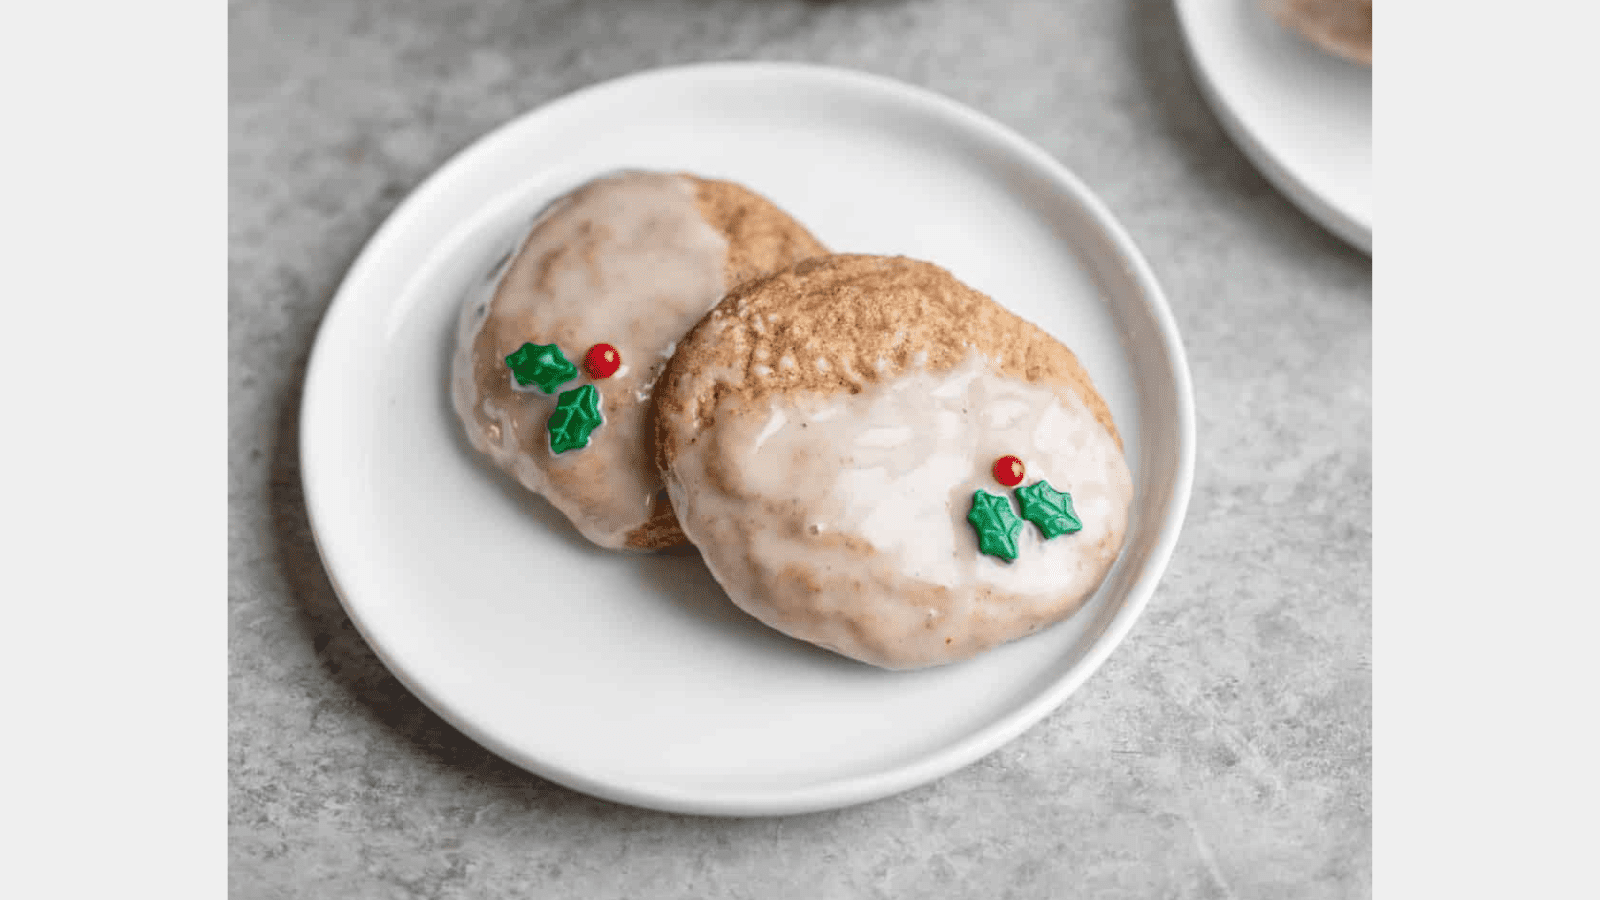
x=627, y=260
x=841, y=519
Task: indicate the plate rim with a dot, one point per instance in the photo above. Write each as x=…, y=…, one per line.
x=830, y=793
x=1344, y=224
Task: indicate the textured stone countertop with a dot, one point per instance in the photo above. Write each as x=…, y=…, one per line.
x=1223, y=751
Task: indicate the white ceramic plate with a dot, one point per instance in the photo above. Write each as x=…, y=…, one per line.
x=1303, y=116
x=632, y=677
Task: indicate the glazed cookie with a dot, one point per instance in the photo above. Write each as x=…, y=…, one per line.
x=555, y=361
x=876, y=458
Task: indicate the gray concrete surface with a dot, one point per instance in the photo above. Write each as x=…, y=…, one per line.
x=1223, y=752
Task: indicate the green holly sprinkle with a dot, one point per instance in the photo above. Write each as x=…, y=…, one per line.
x=577, y=414
x=542, y=365
x=1049, y=509
x=996, y=524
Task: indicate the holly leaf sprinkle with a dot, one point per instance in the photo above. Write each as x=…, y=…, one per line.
x=1049, y=509
x=577, y=414
x=542, y=365
x=996, y=524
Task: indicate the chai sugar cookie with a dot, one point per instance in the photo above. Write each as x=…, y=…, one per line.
x=554, y=365
x=874, y=457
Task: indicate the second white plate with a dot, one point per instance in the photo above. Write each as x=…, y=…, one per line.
x=1303, y=116
x=633, y=677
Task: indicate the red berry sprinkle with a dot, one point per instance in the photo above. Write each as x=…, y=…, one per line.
x=602, y=361
x=1008, y=471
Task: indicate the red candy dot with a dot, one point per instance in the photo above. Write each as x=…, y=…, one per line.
x=1008, y=471
x=602, y=361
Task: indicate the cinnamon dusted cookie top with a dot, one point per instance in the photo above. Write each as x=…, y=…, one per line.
x=555, y=364
x=833, y=438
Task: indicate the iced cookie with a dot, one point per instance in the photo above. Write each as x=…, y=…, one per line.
x=873, y=457
x=556, y=359
x=1341, y=27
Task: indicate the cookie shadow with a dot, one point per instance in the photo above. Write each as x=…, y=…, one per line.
x=1185, y=118
x=680, y=576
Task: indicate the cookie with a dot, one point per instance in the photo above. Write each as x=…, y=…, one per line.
x=1341, y=27
x=833, y=439
x=555, y=361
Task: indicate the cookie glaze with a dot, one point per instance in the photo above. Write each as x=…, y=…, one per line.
x=627, y=260
x=841, y=519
